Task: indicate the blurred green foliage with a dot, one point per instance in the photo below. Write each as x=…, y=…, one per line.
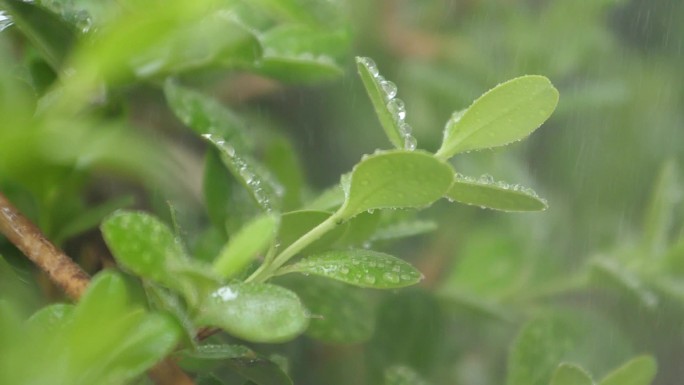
x=591, y=283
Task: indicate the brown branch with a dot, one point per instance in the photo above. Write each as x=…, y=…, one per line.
x=68, y=275
x=31, y=241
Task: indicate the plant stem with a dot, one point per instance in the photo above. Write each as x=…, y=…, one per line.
x=67, y=274
x=30, y=240
x=305, y=240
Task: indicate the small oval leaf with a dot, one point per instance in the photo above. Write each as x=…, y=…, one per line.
x=396, y=179
x=223, y=130
x=142, y=244
x=390, y=110
x=364, y=268
x=243, y=247
x=568, y=374
x=637, y=371
x=257, y=312
x=504, y=114
x=147, y=247
x=486, y=193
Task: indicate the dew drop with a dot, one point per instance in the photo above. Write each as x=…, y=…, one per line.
x=486, y=179
x=410, y=143
x=344, y=270
x=391, y=277
x=371, y=66
x=405, y=128
x=397, y=108
x=389, y=88
x=369, y=278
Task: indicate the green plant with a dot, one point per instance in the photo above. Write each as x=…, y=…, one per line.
x=218, y=287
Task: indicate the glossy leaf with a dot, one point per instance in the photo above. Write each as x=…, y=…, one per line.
x=341, y=314
x=147, y=247
x=364, y=268
x=568, y=374
x=486, y=193
x=46, y=31
x=390, y=110
x=242, y=248
x=396, y=179
x=256, y=312
x=638, y=371
x=507, y=113
x=218, y=126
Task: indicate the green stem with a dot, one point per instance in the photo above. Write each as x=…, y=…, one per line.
x=266, y=270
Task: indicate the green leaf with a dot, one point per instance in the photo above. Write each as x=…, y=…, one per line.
x=568, y=374
x=507, y=113
x=209, y=357
x=299, y=53
x=298, y=39
x=564, y=336
x=126, y=342
x=364, y=268
x=341, y=314
x=215, y=41
x=242, y=248
x=297, y=223
x=608, y=272
x=403, y=375
x=396, y=179
x=404, y=229
x=162, y=300
x=217, y=188
x=256, y=312
x=240, y=359
x=390, y=110
x=302, y=68
x=218, y=126
x=147, y=247
x=638, y=371
x=281, y=158
x=51, y=317
x=46, y=31
x=486, y=193
x=91, y=218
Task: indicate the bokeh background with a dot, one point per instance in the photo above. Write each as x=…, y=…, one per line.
x=607, y=161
